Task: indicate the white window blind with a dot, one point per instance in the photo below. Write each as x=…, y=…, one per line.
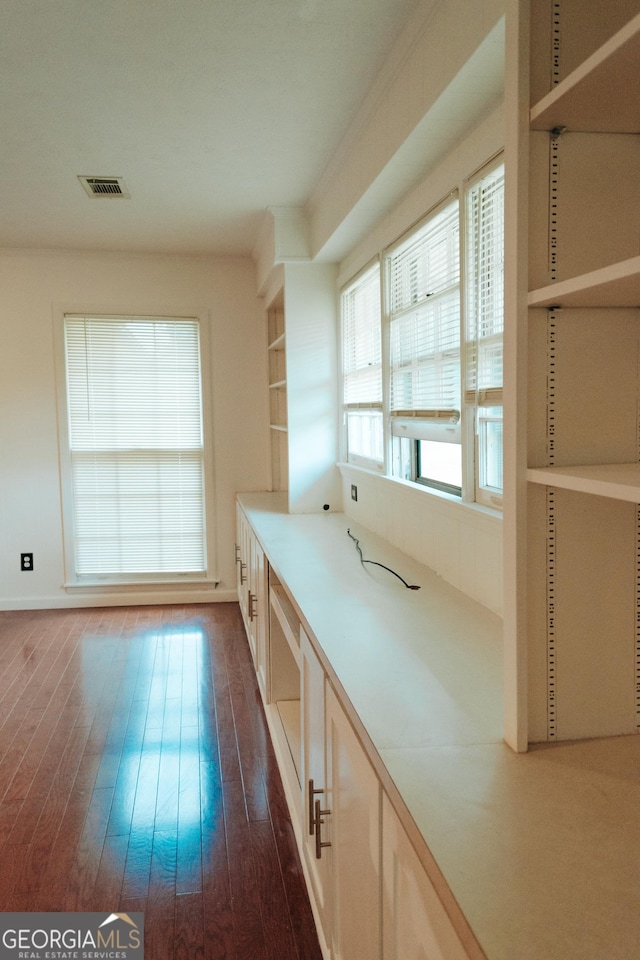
x=362, y=365
x=485, y=289
x=136, y=446
x=424, y=316
x=361, y=340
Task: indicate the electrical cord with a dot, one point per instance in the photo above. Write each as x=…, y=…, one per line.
x=409, y=586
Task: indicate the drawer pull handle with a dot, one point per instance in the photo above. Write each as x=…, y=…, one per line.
x=312, y=792
x=320, y=843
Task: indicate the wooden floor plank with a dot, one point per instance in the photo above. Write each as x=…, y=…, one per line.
x=274, y=907
x=189, y=928
x=160, y=920
x=218, y=914
x=245, y=896
x=189, y=879
x=136, y=774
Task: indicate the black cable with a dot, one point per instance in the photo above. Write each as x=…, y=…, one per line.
x=409, y=586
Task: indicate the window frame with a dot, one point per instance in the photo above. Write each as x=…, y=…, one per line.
x=441, y=423
x=112, y=581
x=478, y=398
x=367, y=406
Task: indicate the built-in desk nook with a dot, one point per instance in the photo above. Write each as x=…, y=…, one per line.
x=421, y=833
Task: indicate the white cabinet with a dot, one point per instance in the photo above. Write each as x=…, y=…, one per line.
x=258, y=611
x=367, y=886
x=414, y=922
x=314, y=781
x=272, y=628
x=251, y=574
x=282, y=703
x=353, y=829
x=341, y=845
x=243, y=553
x=577, y=615
x=355, y=846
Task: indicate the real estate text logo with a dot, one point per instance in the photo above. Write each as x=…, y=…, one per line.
x=71, y=936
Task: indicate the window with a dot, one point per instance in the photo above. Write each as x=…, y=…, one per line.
x=362, y=368
x=423, y=308
x=135, y=448
x=422, y=377
x=485, y=326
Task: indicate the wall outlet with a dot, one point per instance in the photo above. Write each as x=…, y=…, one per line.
x=26, y=561
x=354, y=492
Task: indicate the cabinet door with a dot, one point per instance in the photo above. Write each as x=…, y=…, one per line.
x=258, y=612
x=314, y=778
x=353, y=830
x=251, y=573
x=415, y=924
x=242, y=562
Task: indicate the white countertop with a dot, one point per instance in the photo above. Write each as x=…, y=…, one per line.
x=540, y=850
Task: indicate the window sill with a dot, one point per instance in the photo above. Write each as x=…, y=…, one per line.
x=113, y=586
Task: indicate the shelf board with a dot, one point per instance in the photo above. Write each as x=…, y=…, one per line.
x=277, y=344
x=277, y=385
x=600, y=95
x=289, y=713
x=617, y=285
x=279, y=426
x=287, y=618
x=618, y=481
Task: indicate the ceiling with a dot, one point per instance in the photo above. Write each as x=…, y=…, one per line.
x=211, y=111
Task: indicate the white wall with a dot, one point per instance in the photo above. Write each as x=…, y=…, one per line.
x=461, y=543
x=35, y=287
x=312, y=386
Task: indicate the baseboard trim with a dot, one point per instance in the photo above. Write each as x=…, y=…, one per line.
x=129, y=599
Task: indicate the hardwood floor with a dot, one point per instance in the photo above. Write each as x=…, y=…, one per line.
x=136, y=774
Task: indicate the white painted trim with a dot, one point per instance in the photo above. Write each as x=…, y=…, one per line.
x=111, y=599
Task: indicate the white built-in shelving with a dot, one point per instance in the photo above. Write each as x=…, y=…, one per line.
x=619, y=481
x=581, y=615
x=600, y=95
x=287, y=618
x=302, y=384
x=278, y=417
x=617, y=285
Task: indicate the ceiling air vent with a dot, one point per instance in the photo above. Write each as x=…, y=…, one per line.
x=107, y=187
